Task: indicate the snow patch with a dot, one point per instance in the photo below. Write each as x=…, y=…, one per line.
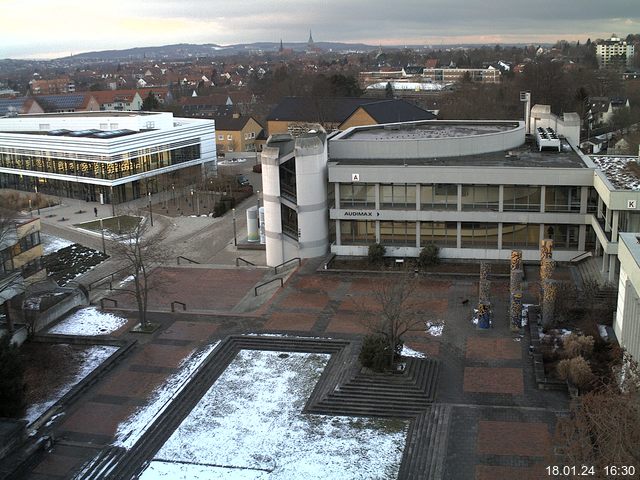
x=251, y=423
x=435, y=328
x=89, y=321
x=408, y=352
x=52, y=244
x=130, y=431
x=92, y=357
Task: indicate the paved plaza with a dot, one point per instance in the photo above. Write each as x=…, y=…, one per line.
x=500, y=425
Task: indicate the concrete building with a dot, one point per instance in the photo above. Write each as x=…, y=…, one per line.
x=294, y=173
x=627, y=321
x=614, y=53
x=475, y=188
x=20, y=255
x=103, y=156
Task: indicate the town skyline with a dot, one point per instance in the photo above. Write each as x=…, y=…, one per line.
x=427, y=23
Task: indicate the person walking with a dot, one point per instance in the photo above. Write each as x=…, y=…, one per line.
x=95, y=210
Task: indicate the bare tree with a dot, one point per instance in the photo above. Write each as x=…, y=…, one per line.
x=141, y=250
x=400, y=311
x=603, y=427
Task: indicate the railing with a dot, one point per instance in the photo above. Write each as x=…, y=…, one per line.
x=582, y=256
x=173, y=305
x=298, y=259
x=247, y=262
x=110, y=278
x=102, y=300
x=255, y=290
x=187, y=259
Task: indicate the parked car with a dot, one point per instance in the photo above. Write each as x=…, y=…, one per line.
x=242, y=180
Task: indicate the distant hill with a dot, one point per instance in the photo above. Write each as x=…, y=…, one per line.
x=185, y=50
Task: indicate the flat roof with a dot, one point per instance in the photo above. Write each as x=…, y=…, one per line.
x=527, y=155
x=622, y=172
x=428, y=130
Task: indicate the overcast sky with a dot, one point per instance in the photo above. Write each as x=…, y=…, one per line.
x=50, y=28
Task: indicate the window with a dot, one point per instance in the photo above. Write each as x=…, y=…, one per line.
x=362, y=195
x=230, y=148
x=398, y=233
x=479, y=235
x=253, y=134
x=521, y=198
x=229, y=136
x=398, y=196
x=520, y=235
x=564, y=236
x=220, y=137
x=481, y=197
x=562, y=199
x=289, y=221
x=355, y=232
x=441, y=233
x=442, y=196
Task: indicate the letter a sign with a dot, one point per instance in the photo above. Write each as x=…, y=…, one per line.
x=355, y=177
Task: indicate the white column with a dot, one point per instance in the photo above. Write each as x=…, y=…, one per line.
x=271, y=201
x=614, y=225
x=613, y=260
x=543, y=197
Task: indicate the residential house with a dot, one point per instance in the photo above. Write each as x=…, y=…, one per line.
x=121, y=100
x=296, y=115
x=71, y=102
x=52, y=86
x=601, y=109
x=236, y=133
x=19, y=105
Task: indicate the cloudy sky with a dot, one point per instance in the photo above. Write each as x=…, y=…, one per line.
x=50, y=28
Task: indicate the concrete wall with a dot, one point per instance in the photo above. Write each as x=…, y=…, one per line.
x=311, y=192
x=627, y=321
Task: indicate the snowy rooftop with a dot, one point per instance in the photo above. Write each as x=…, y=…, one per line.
x=619, y=171
x=434, y=129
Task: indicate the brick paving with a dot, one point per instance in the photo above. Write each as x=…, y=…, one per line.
x=493, y=380
x=480, y=348
x=501, y=424
x=513, y=438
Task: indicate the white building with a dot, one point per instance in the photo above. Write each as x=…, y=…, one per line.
x=294, y=180
x=614, y=52
x=627, y=322
x=103, y=156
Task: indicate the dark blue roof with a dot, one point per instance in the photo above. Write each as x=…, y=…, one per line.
x=60, y=102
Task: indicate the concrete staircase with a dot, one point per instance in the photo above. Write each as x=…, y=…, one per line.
x=382, y=395
x=426, y=447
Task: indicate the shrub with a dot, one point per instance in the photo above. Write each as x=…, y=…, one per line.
x=12, y=386
x=576, y=370
x=429, y=255
x=575, y=345
x=375, y=353
x=376, y=254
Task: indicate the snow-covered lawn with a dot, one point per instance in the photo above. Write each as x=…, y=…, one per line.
x=89, y=321
x=250, y=425
x=52, y=244
x=89, y=359
x=130, y=431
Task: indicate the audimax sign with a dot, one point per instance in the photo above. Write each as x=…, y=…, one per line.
x=361, y=214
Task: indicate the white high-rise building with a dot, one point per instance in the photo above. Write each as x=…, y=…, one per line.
x=614, y=52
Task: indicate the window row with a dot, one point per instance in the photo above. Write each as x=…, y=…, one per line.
x=445, y=234
x=108, y=171
x=472, y=197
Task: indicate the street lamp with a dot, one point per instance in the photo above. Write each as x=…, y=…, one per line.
x=235, y=239
x=37, y=198
x=150, y=210
x=104, y=245
x=193, y=207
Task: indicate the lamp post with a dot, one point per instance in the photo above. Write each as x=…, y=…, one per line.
x=193, y=208
x=235, y=239
x=150, y=210
x=113, y=203
x=37, y=198
x=104, y=245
